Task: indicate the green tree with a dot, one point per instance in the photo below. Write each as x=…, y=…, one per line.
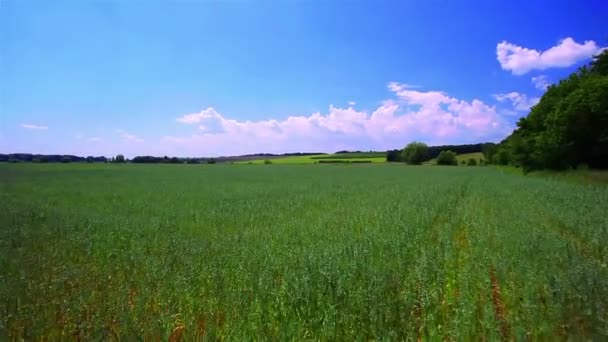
x=415, y=153
x=119, y=159
x=568, y=127
x=447, y=157
x=472, y=162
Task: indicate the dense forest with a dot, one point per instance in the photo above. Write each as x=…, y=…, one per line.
x=567, y=129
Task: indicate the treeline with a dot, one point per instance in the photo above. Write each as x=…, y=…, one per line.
x=434, y=151
x=171, y=160
x=568, y=128
x=49, y=158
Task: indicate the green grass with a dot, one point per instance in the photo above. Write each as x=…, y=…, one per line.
x=299, y=252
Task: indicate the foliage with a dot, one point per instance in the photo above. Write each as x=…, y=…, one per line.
x=433, y=151
x=472, y=162
x=46, y=158
x=568, y=127
x=119, y=159
x=267, y=162
x=447, y=157
x=415, y=153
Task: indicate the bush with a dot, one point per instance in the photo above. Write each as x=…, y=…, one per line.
x=415, y=153
x=267, y=162
x=472, y=162
x=447, y=158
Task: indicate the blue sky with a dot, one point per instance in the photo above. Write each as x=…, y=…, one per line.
x=206, y=78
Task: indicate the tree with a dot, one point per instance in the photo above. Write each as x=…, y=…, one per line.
x=472, y=162
x=211, y=161
x=568, y=127
x=415, y=153
x=447, y=158
x=119, y=159
x=267, y=162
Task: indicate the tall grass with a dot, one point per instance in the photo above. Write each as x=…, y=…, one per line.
x=299, y=252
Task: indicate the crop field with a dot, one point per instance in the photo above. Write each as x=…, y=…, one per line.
x=295, y=252
x=371, y=157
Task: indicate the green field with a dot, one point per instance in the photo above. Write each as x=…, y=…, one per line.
x=373, y=157
x=299, y=252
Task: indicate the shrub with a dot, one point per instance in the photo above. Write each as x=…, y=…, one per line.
x=267, y=162
x=447, y=158
x=415, y=153
x=472, y=162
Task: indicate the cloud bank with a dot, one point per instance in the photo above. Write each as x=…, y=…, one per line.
x=430, y=116
x=520, y=60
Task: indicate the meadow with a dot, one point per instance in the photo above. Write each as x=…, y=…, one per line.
x=370, y=157
x=294, y=252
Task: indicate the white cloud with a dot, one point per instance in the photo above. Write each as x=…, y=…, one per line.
x=520, y=60
x=352, y=103
x=208, y=113
x=128, y=137
x=34, y=127
x=94, y=139
x=431, y=116
x=520, y=102
x=541, y=82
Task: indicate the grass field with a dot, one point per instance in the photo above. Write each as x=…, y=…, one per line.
x=373, y=157
x=294, y=252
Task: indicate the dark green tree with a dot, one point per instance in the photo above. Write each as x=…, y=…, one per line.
x=568, y=127
x=415, y=153
x=447, y=158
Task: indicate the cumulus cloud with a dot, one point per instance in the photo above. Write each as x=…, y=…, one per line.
x=520, y=60
x=128, y=137
x=431, y=116
x=541, y=82
x=34, y=127
x=520, y=102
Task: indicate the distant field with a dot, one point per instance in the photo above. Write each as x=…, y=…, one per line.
x=299, y=252
x=374, y=157
x=462, y=157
